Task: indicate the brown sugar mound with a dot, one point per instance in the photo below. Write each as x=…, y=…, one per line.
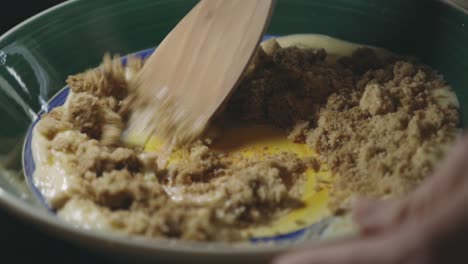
x=383, y=141
x=108, y=81
x=374, y=121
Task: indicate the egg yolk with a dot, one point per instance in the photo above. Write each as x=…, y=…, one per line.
x=261, y=141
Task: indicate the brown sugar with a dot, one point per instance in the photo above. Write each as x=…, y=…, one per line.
x=374, y=121
x=85, y=114
x=373, y=142
x=108, y=81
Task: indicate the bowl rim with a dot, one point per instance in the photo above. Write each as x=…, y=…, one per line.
x=456, y=5
x=39, y=216
x=35, y=17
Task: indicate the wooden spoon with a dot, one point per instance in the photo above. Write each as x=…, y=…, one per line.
x=196, y=67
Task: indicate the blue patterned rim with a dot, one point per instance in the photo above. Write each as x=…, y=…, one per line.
x=59, y=99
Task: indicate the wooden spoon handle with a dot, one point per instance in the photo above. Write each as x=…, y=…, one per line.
x=200, y=62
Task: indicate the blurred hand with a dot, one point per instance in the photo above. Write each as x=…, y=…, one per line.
x=430, y=226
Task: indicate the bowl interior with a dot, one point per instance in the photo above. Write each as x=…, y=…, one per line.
x=37, y=56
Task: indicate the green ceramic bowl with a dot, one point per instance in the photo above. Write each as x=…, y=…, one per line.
x=38, y=55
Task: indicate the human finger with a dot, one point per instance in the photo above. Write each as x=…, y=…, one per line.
x=360, y=250
x=375, y=216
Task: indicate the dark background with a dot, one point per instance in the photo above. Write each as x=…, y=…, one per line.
x=20, y=242
x=16, y=11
